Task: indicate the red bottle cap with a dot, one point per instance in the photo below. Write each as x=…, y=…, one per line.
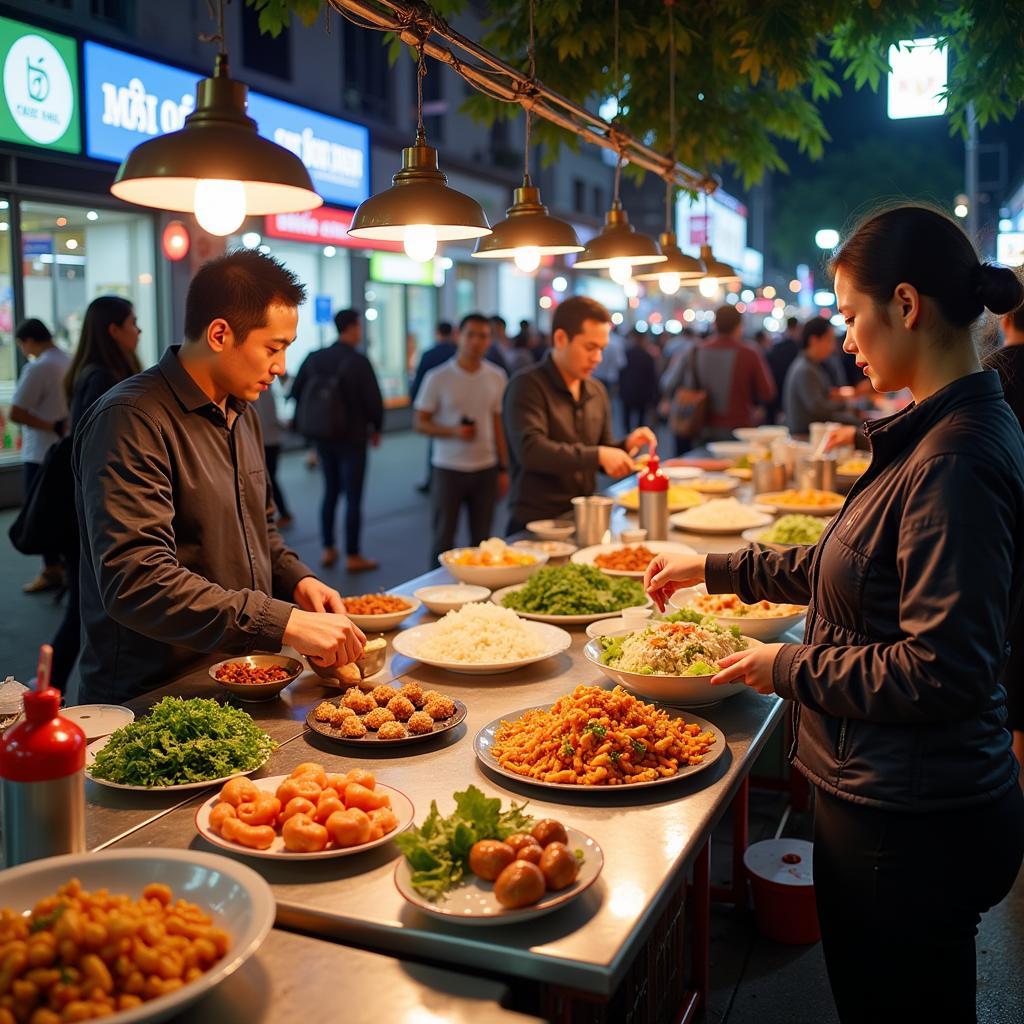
x=652, y=478
x=44, y=746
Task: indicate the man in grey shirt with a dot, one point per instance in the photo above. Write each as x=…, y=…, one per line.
x=181, y=557
x=807, y=393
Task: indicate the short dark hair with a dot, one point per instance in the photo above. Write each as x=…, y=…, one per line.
x=473, y=318
x=792, y=322
x=727, y=319
x=33, y=330
x=498, y=321
x=814, y=328
x=574, y=312
x=345, y=318
x=924, y=247
x=444, y=329
x=239, y=287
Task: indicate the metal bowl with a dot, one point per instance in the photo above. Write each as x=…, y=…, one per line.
x=256, y=692
x=373, y=660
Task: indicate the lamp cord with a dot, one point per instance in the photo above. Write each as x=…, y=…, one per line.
x=421, y=73
x=618, y=107
x=671, y=110
x=532, y=63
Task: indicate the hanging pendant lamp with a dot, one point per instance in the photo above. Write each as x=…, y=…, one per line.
x=717, y=270
x=528, y=231
x=217, y=166
x=419, y=209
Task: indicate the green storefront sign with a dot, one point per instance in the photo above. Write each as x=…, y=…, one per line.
x=394, y=268
x=40, y=85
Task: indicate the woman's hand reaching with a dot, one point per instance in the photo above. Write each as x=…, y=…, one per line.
x=665, y=575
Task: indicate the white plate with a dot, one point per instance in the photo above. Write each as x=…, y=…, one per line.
x=760, y=435
x=757, y=519
x=715, y=486
x=551, y=529
x=586, y=556
x=552, y=548
x=555, y=641
x=472, y=901
x=387, y=621
x=753, y=535
x=764, y=629
x=679, y=691
x=682, y=472
x=608, y=626
x=731, y=449
x=98, y=720
x=560, y=620
x=183, y=787
x=238, y=900
x=484, y=741
x=400, y=804
x=765, y=501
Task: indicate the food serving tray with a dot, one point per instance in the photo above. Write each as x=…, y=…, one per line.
x=484, y=741
x=370, y=739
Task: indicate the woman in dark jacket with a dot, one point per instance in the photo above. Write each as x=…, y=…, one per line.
x=105, y=356
x=900, y=718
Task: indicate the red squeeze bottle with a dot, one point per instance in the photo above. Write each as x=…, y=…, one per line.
x=653, y=487
x=42, y=777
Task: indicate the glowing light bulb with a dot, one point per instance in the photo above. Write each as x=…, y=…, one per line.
x=669, y=283
x=708, y=287
x=527, y=258
x=631, y=288
x=620, y=270
x=420, y=242
x=220, y=205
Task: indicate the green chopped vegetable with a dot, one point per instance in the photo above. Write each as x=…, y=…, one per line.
x=794, y=529
x=568, y=750
x=596, y=728
x=575, y=590
x=44, y=921
x=614, y=756
x=182, y=741
x=640, y=749
x=438, y=851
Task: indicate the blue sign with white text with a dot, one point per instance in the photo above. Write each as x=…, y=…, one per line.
x=128, y=99
x=322, y=305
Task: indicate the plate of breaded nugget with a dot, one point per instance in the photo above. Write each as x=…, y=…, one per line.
x=386, y=715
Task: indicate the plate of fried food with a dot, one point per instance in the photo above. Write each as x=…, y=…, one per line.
x=380, y=612
x=628, y=559
x=808, y=502
x=596, y=739
x=185, y=921
x=679, y=498
x=386, y=716
x=308, y=815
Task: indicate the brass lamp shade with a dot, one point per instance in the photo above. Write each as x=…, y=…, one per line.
x=219, y=141
x=618, y=240
x=689, y=268
x=528, y=224
x=419, y=195
x=715, y=269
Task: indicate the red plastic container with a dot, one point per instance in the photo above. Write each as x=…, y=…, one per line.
x=782, y=881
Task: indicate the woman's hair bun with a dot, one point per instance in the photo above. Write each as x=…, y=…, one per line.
x=998, y=288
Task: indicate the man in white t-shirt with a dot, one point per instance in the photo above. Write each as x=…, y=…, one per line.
x=459, y=406
x=40, y=405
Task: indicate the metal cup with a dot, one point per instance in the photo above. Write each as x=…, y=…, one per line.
x=767, y=475
x=593, y=519
x=816, y=473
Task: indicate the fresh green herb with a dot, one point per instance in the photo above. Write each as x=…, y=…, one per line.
x=45, y=921
x=438, y=851
x=614, y=756
x=639, y=748
x=567, y=749
x=794, y=529
x=183, y=741
x=686, y=615
x=579, y=855
x=596, y=728
x=575, y=590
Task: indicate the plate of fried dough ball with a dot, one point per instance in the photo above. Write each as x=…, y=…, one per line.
x=386, y=715
x=308, y=815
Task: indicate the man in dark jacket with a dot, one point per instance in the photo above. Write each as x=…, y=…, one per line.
x=342, y=455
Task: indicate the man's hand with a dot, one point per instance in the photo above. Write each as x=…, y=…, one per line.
x=312, y=595
x=640, y=437
x=466, y=431
x=841, y=437
x=614, y=461
x=328, y=639
x=503, y=483
x=753, y=668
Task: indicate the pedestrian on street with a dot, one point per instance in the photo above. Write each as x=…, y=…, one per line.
x=266, y=409
x=459, y=407
x=339, y=404
x=40, y=406
x=638, y=383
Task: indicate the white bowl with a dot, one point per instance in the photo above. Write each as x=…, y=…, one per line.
x=492, y=576
x=238, y=900
x=765, y=630
x=761, y=435
x=552, y=529
x=730, y=449
x=446, y=597
x=388, y=620
x=554, y=549
x=680, y=691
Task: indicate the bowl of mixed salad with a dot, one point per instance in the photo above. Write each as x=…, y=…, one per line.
x=761, y=620
x=788, y=531
x=672, y=661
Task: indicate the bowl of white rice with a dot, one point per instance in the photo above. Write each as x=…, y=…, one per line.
x=480, y=639
x=669, y=661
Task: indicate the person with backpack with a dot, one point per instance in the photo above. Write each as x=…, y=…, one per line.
x=339, y=406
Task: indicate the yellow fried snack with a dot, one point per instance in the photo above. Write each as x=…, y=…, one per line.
x=391, y=731
x=420, y=723
x=598, y=737
x=323, y=711
x=340, y=714
x=353, y=728
x=382, y=694
x=358, y=701
x=413, y=692
x=439, y=706
x=401, y=707
x=378, y=717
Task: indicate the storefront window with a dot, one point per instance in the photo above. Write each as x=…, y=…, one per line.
x=71, y=255
x=400, y=320
x=8, y=353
